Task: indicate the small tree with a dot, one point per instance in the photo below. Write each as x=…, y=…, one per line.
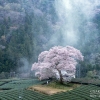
x=55, y=60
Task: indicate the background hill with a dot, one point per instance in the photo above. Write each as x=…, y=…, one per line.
x=30, y=27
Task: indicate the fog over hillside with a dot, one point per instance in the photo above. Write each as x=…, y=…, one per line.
x=29, y=27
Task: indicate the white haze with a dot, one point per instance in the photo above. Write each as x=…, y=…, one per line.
x=71, y=14
x=25, y=66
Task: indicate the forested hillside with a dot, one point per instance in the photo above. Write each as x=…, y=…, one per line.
x=24, y=31
x=30, y=27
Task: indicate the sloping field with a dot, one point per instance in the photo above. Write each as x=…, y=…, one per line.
x=84, y=92
x=21, y=83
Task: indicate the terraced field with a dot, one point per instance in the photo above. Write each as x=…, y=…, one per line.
x=15, y=84
x=19, y=91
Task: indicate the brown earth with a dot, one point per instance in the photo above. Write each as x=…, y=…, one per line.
x=47, y=90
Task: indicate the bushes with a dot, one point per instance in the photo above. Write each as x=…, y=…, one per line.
x=4, y=75
x=86, y=81
x=79, y=93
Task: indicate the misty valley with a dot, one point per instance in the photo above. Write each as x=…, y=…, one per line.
x=49, y=50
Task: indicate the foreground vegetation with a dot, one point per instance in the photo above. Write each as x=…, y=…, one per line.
x=17, y=90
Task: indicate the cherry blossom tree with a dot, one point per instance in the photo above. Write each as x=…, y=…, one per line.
x=55, y=60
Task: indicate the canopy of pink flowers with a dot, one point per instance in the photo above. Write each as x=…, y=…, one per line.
x=57, y=58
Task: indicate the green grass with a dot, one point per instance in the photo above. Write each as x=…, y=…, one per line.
x=1, y=83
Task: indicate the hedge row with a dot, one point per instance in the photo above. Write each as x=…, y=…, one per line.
x=86, y=81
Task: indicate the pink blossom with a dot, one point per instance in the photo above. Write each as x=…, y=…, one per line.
x=57, y=58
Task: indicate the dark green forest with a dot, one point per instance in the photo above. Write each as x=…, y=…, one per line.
x=28, y=28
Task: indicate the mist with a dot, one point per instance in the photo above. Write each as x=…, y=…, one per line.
x=24, y=69
x=37, y=25
x=75, y=16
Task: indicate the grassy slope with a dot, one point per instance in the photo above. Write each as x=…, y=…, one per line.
x=82, y=92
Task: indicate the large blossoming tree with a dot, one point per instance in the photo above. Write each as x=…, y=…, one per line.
x=55, y=60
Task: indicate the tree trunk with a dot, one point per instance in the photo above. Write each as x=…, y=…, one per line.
x=60, y=75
